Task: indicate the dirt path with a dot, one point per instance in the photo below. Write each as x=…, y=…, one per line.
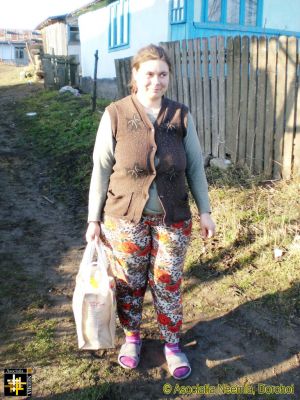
x=39, y=237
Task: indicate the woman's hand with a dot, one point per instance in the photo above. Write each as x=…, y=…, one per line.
x=93, y=232
x=208, y=226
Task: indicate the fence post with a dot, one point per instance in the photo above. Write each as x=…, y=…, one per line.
x=280, y=100
x=94, y=98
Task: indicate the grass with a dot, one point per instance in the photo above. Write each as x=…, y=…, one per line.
x=254, y=218
x=62, y=133
x=10, y=75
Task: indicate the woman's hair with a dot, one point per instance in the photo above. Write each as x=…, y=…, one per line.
x=150, y=52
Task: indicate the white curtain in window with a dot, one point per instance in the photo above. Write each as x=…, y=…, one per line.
x=214, y=10
x=233, y=11
x=251, y=12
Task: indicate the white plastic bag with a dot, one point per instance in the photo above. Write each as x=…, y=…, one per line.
x=94, y=301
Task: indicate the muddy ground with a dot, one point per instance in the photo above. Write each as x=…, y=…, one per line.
x=243, y=346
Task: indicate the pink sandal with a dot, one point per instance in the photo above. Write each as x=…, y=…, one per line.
x=131, y=350
x=178, y=360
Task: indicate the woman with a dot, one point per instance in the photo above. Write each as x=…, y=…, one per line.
x=146, y=147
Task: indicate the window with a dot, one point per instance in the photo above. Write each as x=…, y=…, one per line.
x=238, y=12
x=74, y=34
x=233, y=11
x=119, y=24
x=214, y=10
x=251, y=12
x=19, y=52
x=177, y=11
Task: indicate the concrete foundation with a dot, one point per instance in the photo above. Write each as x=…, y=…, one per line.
x=106, y=88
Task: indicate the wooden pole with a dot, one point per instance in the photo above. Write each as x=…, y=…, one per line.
x=94, y=98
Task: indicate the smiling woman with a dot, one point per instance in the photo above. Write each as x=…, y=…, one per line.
x=146, y=147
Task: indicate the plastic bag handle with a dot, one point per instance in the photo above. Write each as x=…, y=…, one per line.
x=87, y=263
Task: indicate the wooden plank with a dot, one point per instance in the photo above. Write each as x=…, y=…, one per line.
x=243, y=100
x=260, y=103
x=236, y=97
x=118, y=77
x=191, y=63
x=185, y=80
x=206, y=98
x=199, y=92
x=179, y=71
x=123, y=77
x=166, y=47
x=221, y=62
x=229, y=96
x=251, y=117
x=280, y=106
x=270, y=107
x=173, y=74
x=214, y=97
x=290, y=108
x=128, y=75
x=296, y=165
x=170, y=88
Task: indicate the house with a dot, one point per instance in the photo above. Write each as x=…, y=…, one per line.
x=203, y=18
x=60, y=36
x=117, y=29
x=14, y=45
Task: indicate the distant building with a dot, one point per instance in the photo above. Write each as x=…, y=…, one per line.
x=14, y=45
x=60, y=36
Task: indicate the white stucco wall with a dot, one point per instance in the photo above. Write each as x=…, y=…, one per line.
x=148, y=23
x=282, y=15
x=7, y=52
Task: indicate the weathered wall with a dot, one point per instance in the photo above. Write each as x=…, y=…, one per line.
x=148, y=24
x=55, y=39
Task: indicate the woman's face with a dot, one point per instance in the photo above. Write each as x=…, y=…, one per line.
x=152, y=79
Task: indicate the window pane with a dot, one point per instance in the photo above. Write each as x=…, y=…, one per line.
x=233, y=11
x=214, y=10
x=197, y=10
x=251, y=12
x=178, y=11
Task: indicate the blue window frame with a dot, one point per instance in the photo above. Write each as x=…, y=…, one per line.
x=118, y=24
x=236, y=12
x=178, y=11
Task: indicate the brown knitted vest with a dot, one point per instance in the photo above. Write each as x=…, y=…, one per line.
x=137, y=142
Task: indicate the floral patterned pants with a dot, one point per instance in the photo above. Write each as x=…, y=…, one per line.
x=146, y=252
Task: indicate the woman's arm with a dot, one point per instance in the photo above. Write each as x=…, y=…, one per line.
x=197, y=179
x=103, y=158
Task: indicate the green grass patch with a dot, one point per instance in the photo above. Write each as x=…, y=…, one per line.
x=63, y=134
x=254, y=218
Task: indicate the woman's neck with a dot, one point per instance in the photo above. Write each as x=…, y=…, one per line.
x=154, y=104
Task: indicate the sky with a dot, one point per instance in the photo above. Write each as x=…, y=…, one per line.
x=27, y=14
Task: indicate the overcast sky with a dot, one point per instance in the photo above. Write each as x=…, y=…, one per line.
x=27, y=14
